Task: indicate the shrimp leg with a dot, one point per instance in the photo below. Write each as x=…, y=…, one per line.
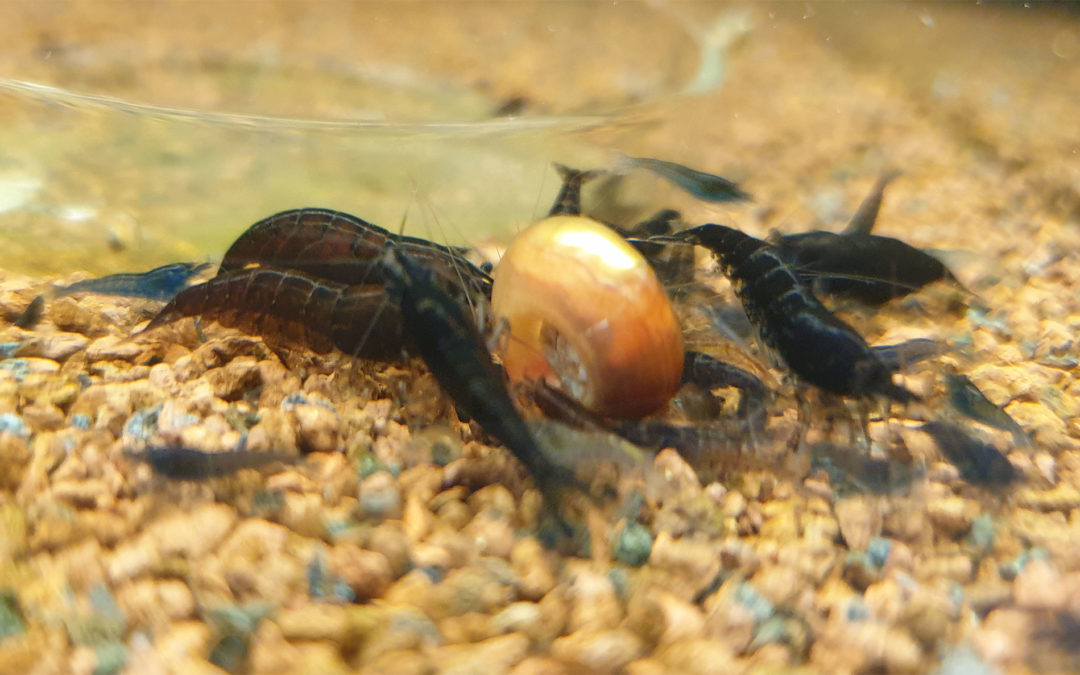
x=451, y=346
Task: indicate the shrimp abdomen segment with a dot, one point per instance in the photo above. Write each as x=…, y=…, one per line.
x=296, y=310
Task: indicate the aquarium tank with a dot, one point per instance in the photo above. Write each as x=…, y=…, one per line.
x=539, y=337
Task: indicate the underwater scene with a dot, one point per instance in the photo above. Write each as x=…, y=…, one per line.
x=539, y=337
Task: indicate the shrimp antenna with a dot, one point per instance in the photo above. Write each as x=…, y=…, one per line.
x=428, y=207
x=543, y=180
x=404, y=219
x=383, y=304
x=413, y=197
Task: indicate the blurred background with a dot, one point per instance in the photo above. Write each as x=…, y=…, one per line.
x=136, y=133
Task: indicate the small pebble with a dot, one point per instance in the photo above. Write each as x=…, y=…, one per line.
x=661, y=618
x=1011, y=568
x=689, y=565
x=367, y=573
x=191, y=535
x=493, y=655
x=22, y=368
x=859, y=519
x=523, y=617
x=13, y=424
x=315, y=622
x=57, y=346
x=599, y=650
x=952, y=516
x=698, y=656
x=532, y=564
x=633, y=544
x=318, y=428
x=594, y=604
x=1038, y=587
x=380, y=497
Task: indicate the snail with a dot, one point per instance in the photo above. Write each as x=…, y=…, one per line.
x=585, y=307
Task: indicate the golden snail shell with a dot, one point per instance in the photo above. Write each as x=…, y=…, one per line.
x=584, y=305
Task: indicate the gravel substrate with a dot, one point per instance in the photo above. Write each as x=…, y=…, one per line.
x=360, y=543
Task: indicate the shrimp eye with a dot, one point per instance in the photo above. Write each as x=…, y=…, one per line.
x=585, y=307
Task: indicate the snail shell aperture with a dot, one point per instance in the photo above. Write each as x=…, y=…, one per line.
x=583, y=305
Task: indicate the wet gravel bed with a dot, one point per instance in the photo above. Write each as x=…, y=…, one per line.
x=382, y=534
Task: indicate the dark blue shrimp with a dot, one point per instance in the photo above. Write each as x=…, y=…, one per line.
x=705, y=186
x=903, y=354
x=177, y=462
x=860, y=265
x=160, y=283
x=969, y=401
x=814, y=344
x=866, y=267
x=977, y=461
x=446, y=337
